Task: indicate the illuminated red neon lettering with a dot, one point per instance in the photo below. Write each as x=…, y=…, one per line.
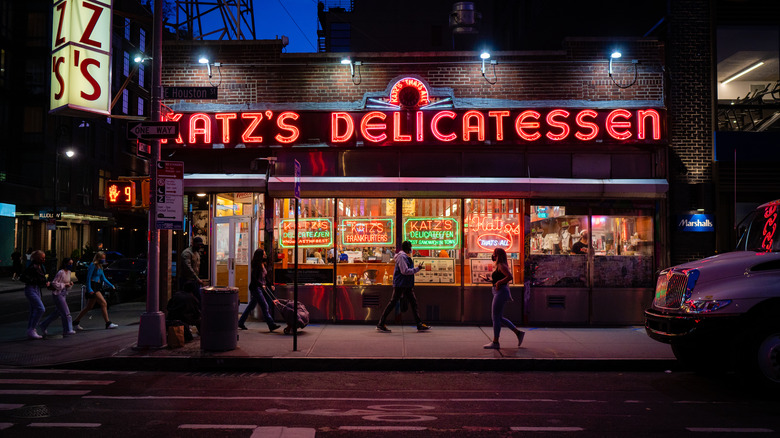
x=247, y=136
x=409, y=82
x=499, y=115
x=563, y=126
x=204, y=130
x=397, y=128
x=582, y=123
x=435, y=126
x=96, y=12
x=770, y=227
x=58, y=74
x=420, y=136
x=521, y=125
x=468, y=129
x=655, y=120
x=612, y=124
x=172, y=117
x=335, y=137
x=294, y=131
x=61, y=9
x=84, y=68
x=365, y=126
x=226, y=118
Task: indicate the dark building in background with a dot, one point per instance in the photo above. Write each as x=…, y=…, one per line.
x=32, y=157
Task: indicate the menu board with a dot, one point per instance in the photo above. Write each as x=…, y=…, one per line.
x=432, y=232
x=435, y=270
x=367, y=232
x=312, y=233
x=484, y=267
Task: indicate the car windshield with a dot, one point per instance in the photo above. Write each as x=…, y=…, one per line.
x=761, y=235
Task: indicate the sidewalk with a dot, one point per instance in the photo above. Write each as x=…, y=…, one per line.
x=340, y=347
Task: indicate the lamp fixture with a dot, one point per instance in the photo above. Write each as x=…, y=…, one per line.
x=749, y=69
x=141, y=58
x=204, y=60
x=348, y=61
x=616, y=54
x=70, y=153
x=484, y=56
x=201, y=195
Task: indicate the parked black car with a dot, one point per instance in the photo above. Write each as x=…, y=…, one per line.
x=129, y=277
x=82, y=264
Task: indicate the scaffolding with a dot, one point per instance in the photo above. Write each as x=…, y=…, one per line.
x=214, y=20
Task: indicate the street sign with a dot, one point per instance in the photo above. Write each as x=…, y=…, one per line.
x=168, y=193
x=190, y=93
x=152, y=130
x=297, y=180
x=49, y=215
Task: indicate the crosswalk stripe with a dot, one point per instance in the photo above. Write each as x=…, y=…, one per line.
x=44, y=392
x=217, y=426
x=54, y=382
x=383, y=428
x=547, y=429
x=5, y=425
x=86, y=425
x=729, y=429
x=283, y=432
x=9, y=406
x=37, y=371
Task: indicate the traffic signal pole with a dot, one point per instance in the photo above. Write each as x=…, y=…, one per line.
x=151, y=332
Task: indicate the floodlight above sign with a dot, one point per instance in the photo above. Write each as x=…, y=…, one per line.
x=152, y=130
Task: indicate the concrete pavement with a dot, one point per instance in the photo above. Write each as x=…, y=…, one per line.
x=337, y=347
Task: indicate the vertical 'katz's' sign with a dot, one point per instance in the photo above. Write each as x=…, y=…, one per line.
x=81, y=57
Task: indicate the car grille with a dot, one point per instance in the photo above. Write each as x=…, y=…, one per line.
x=670, y=290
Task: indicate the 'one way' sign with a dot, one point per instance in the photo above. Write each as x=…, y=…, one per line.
x=152, y=130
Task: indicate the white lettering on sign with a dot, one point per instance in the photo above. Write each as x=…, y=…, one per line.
x=80, y=59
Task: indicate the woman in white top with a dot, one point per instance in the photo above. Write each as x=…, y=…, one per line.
x=61, y=283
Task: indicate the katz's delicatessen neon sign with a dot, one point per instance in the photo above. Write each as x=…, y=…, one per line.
x=409, y=127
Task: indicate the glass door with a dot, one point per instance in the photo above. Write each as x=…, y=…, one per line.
x=232, y=253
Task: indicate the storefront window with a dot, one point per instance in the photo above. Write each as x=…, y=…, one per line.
x=365, y=241
x=491, y=224
x=315, y=240
x=434, y=229
x=555, y=259
x=623, y=248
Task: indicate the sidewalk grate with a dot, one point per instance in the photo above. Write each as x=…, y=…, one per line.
x=35, y=411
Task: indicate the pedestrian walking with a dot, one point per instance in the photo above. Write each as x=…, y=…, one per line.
x=16, y=264
x=28, y=257
x=61, y=284
x=403, y=287
x=34, y=278
x=95, y=284
x=501, y=278
x=190, y=257
x=258, y=281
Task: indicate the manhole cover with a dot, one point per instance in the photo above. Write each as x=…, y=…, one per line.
x=37, y=411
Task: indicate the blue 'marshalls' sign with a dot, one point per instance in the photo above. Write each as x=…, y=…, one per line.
x=696, y=223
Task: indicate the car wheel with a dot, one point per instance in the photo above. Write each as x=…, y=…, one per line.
x=766, y=355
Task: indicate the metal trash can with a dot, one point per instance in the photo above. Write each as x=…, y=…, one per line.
x=219, y=318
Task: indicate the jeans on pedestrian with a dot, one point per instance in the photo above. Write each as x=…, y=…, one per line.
x=398, y=293
x=60, y=309
x=33, y=294
x=256, y=297
x=500, y=297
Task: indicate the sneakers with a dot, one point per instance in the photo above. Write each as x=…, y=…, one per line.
x=383, y=328
x=242, y=327
x=520, y=335
x=492, y=346
x=78, y=327
x=423, y=327
x=32, y=334
x=111, y=325
x=72, y=332
x=273, y=327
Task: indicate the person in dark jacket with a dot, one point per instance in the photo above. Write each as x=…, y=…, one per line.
x=34, y=278
x=403, y=287
x=256, y=285
x=16, y=262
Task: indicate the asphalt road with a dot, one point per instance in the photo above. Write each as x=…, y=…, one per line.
x=298, y=405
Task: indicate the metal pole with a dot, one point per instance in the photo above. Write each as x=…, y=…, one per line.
x=295, y=282
x=151, y=332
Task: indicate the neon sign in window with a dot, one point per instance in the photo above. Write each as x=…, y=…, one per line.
x=312, y=233
x=432, y=232
x=360, y=232
x=487, y=232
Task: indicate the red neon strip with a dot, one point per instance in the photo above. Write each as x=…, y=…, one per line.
x=335, y=137
x=435, y=126
x=397, y=128
x=420, y=134
x=468, y=129
x=205, y=130
x=226, y=118
x=499, y=115
x=655, y=119
x=247, y=136
x=582, y=123
x=612, y=125
x=365, y=126
x=294, y=131
x=172, y=117
x=521, y=125
x=563, y=126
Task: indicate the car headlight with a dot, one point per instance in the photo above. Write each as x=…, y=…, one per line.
x=704, y=306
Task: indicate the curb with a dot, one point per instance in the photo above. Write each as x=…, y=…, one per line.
x=281, y=364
